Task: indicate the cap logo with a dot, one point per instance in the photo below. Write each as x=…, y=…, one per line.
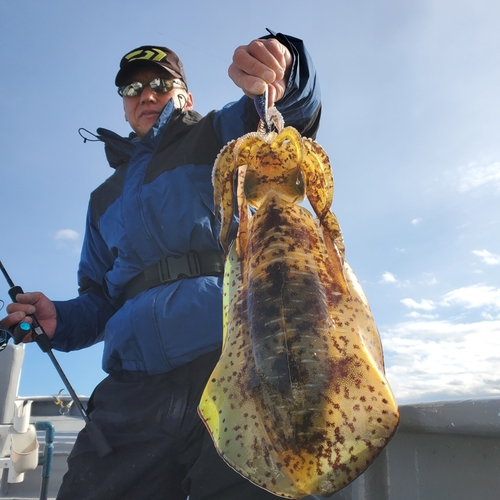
x=146, y=55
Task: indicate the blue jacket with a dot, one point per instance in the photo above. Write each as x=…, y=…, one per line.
x=158, y=203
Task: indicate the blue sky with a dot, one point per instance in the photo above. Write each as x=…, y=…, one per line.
x=410, y=122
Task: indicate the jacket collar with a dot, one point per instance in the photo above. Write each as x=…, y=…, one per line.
x=171, y=125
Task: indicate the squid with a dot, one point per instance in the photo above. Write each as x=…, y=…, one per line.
x=298, y=403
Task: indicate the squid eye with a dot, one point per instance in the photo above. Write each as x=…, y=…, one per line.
x=300, y=182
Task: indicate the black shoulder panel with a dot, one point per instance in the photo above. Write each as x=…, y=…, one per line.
x=187, y=139
x=107, y=193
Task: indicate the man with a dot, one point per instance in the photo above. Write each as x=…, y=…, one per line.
x=150, y=275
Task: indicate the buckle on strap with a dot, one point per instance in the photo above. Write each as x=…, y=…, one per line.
x=170, y=269
x=173, y=268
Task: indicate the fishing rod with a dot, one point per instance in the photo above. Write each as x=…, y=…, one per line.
x=42, y=339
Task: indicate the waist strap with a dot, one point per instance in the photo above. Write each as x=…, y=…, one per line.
x=170, y=269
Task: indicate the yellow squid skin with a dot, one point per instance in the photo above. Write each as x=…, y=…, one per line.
x=298, y=403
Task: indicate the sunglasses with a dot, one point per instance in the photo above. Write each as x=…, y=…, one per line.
x=158, y=85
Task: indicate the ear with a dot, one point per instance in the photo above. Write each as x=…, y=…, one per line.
x=189, y=101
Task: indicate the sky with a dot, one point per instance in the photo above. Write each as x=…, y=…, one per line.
x=411, y=123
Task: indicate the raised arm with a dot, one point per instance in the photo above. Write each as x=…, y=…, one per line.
x=283, y=63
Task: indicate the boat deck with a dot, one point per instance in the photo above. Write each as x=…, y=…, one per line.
x=442, y=450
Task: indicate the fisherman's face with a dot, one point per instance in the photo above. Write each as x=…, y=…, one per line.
x=143, y=110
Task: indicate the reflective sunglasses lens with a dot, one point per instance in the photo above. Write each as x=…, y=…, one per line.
x=160, y=86
x=133, y=89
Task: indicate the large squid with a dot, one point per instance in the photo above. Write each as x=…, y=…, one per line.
x=299, y=403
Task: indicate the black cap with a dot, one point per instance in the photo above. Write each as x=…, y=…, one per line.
x=150, y=55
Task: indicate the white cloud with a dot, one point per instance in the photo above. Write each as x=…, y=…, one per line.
x=68, y=239
x=426, y=305
x=417, y=221
x=489, y=258
x=429, y=279
x=474, y=296
x=471, y=297
x=388, y=278
x=428, y=359
x=474, y=176
x=67, y=234
x=417, y=315
x=432, y=360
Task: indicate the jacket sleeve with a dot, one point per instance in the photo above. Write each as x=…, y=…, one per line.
x=81, y=321
x=300, y=106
